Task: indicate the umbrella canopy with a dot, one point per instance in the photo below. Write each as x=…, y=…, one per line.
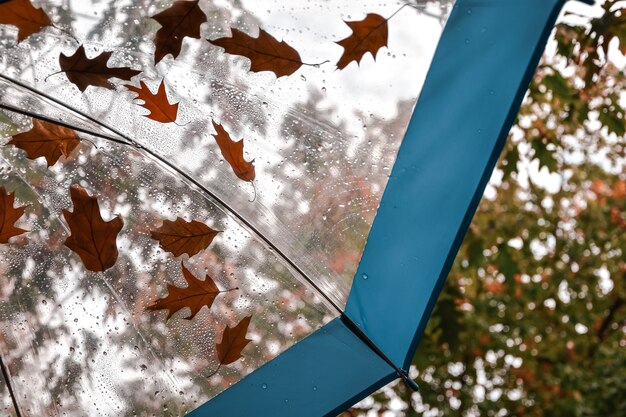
x=188, y=188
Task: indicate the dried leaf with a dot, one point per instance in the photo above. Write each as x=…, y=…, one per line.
x=93, y=239
x=369, y=35
x=8, y=216
x=25, y=16
x=48, y=140
x=196, y=295
x=180, y=236
x=83, y=71
x=159, y=106
x=265, y=52
x=233, y=342
x=182, y=19
x=233, y=154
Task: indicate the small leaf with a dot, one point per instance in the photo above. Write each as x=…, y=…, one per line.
x=48, y=140
x=24, y=16
x=83, y=71
x=159, y=106
x=369, y=35
x=182, y=19
x=506, y=262
x=544, y=155
x=613, y=118
x=180, y=236
x=233, y=154
x=196, y=295
x=8, y=216
x=233, y=342
x=512, y=158
x=265, y=52
x=559, y=86
x=93, y=239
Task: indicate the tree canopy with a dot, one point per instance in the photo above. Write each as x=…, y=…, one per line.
x=532, y=319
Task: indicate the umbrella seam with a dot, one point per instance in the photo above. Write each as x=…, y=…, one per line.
x=5, y=375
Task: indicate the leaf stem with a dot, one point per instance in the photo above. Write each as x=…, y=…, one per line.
x=214, y=372
x=316, y=65
x=254, y=189
x=67, y=32
x=50, y=75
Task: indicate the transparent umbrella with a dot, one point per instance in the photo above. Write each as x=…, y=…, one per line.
x=188, y=187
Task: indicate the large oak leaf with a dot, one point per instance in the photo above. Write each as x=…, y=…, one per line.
x=48, y=140
x=180, y=236
x=265, y=52
x=158, y=104
x=196, y=295
x=8, y=216
x=23, y=15
x=233, y=342
x=93, y=239
x=182, y=19
x=368, y=35
x=83, y=71
x=233, y=154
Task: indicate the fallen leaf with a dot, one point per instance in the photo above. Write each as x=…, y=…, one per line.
x=180, y=236
x=83, y=71
x=233, y=154
x=369, y=35
x=233, y=342
x=265, y=52
x=182, y=19
x=8, y=216
x=159, y=106
x=25, y=16
x=196, y=295
x=93, y=239
x=48, y=140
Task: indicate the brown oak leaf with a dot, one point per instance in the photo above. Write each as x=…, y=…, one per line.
x=8, y=216
x=368, y=35
x=159, y=106
x=182, y=19
x=196, y=295
x=265, y=52
x=48, y=140
x=25, y=16
x=233, y=342
x=83, y=71
x=233, y=154
x=180, y=236
x=93, y=239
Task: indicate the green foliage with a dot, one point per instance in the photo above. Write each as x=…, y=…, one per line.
x=532, y=319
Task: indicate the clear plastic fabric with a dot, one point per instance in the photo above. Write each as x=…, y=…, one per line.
x=323, y=142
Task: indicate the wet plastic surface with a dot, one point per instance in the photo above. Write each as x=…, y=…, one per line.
x=323, y=142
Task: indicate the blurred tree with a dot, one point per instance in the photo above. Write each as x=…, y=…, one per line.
x=532, y=319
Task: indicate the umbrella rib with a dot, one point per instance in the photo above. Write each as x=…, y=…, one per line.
x=130, y=142
x=5, y=375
